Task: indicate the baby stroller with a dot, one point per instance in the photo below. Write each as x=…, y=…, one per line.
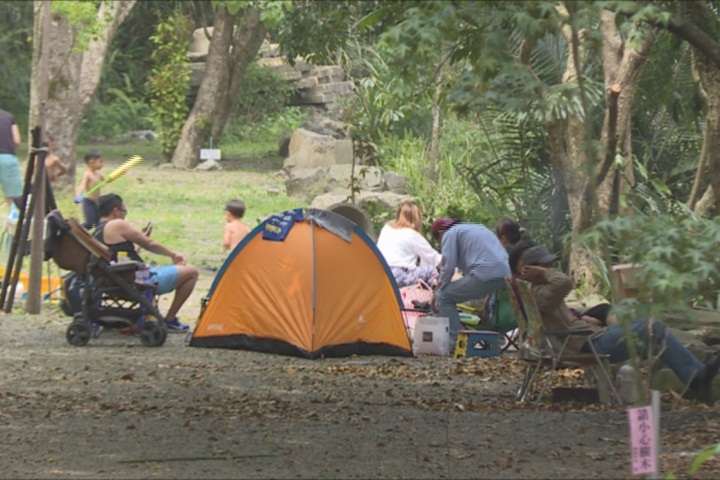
x=111, y=298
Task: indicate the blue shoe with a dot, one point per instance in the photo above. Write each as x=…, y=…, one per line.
x=174, y=326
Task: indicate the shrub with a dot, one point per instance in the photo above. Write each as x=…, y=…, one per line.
x=121, y=113
x=168, y=84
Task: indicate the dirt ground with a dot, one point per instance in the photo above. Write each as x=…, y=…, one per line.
x=115, y=409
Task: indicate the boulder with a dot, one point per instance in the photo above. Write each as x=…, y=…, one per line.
x=208, y=165
x=306, y=182
x=309, y=150
x=310, y=182
x=367, y=178
x=199, y=45
x=394, y=182
x=344, y=152
x=368, y=201
x=325, y=126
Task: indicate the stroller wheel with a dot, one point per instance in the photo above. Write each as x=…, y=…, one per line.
x=78, y=334
x=153, y=334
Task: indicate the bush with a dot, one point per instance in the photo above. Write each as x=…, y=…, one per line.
x=168, y=84
x=123, y=113
x=264, y=136
x=679, y=254
x=260, y=114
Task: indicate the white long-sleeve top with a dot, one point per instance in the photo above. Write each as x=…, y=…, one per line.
x=401, y=247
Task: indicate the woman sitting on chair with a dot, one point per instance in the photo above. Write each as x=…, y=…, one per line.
x=406, y=251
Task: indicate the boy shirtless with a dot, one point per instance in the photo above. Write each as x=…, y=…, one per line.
x=55, y=167
x=235, y=230
x=91, y=177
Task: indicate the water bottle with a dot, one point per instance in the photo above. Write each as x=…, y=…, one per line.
x=122, y=257
x=625, y=384
x=142, y=274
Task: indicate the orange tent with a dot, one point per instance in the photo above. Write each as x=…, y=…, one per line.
x=307, y=283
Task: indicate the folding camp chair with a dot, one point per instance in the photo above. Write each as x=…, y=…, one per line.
x=492, y=320
x=111, y=297
x=545, y=349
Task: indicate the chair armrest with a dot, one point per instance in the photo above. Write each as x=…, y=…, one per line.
x=125, y=267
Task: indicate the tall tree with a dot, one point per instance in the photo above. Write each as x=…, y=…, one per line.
x=80, y=35
x=236, y=39
x=592, y=184
x=703, y=24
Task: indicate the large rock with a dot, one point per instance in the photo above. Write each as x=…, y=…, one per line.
x=326, y=126
x=394, y=182
x=310, y=150
x=208, y=165
x=367, y=178
x=310, y=182
x=368, y=201
x=306, y=182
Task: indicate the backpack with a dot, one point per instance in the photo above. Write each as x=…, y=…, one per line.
x=499, y=311
x=71, y=293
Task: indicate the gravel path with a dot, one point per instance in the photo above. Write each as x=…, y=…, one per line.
x=115, y=409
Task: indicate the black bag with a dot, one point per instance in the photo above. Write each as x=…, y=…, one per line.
x=72, y=292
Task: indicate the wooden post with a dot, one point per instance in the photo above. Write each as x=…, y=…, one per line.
x=33, y=302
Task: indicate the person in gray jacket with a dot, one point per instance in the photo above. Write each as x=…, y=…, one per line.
x=477, y=253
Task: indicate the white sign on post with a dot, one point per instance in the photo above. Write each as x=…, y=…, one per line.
x=642, y=440
x=210, y=154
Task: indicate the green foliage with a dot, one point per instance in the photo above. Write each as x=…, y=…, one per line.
x=708, y=453
x=120, y=103
x=232, y=6
x=262, y=94
x=85, y=18
x=668, y=118
x=332, y=25
x=16, y=25
x=168, y=85
x=451, y=195
x=263, y=137
x=272, y=12
x=379, y=214
x=679, y=254
x=123, y=110
x=271, y=127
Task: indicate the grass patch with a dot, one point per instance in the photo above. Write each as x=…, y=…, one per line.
x=186, y=207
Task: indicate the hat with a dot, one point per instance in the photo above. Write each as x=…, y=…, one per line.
x=538, y=256
x=442, y=223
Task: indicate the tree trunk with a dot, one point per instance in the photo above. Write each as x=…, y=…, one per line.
x=228, y=58
x=591, y=184
x=435, y=137
x=567, y=143
x=74, y=75
x=710, y=82
x=622, y=67
x=706, y=205
x=436, y=120
x=708, y=73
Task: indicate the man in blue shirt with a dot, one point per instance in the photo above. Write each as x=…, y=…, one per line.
x=478, y=254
